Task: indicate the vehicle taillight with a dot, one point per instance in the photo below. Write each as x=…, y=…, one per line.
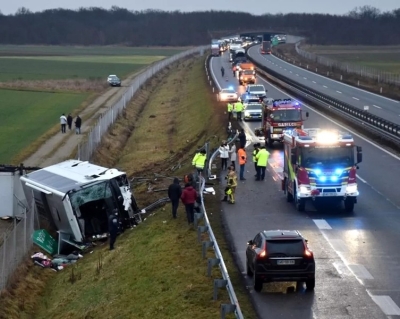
x=308, y=253
x=263, y=253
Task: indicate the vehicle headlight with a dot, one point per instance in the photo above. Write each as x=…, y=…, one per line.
x=351, y=188
x=304, y=189
x=246, y=113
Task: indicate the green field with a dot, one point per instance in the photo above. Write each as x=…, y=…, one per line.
x=385, y=58
x=12, y=50
x=25, y=116
x=70, y=67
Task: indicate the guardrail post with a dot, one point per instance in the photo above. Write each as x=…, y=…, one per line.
x=210, y=83
x=212, y=262
x=381, y=90
x=219, y=283
x=341, y=77
x=205, y=245
x=200, y=230
x=197, y=217
x=227, y=308
x=213, y=89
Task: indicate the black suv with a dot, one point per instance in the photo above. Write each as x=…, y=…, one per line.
x=280, y=255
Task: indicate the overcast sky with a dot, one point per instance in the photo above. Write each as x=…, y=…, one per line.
x=252, y=6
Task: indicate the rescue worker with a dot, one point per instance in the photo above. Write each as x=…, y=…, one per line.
x=199, y=161
x=233, y=156
x=262, y=161
x=242, y=162
x=255, y=151
x=239, y=109
x=242, y=138
x=231, y=186
x=113, y=227
x=230, y=110
x=222, y=71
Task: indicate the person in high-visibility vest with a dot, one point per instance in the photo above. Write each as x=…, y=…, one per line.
x=230, y=110
x=242, y=162
x=255, y=151
x=239, y=109
x=230, y=187
x=199, y=161
x=262, y=161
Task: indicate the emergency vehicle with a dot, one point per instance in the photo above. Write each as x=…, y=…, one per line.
x=247, y=73
x=279, y=116
x=321, y=166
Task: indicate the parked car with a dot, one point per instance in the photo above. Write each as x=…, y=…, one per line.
x=113, y=80
x=280, y=255
x=228, y=95
x=253, y=111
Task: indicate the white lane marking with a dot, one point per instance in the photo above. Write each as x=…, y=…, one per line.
x=322, y=224
x=387, y=305
x=378, y=107
x=304, y=78
x=339, y=92
x=338, y=124
x=339, y=245
x=360, y=272
x=362, y=179
x=342, y=269
x=285, y=69
x=328, y=79
x=325, y=86
x=314, y=82
x=356, y=98
x=291, y=72
x=297, y=75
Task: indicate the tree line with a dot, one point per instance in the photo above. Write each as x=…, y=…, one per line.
x=117, y=26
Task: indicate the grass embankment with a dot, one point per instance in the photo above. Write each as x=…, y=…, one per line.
x=156, y=270
x=381, y=58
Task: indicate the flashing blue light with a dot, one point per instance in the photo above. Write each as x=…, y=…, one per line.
x=322, y=178
x=334, y=178
x=317, y=171
x=231, y=87
x=338, y=171
x=297, y=103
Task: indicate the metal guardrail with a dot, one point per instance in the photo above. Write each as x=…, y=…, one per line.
x=375, y=124
x=234, y=306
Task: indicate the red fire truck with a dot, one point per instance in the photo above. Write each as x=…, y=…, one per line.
x=320, y=166
x=278, y=116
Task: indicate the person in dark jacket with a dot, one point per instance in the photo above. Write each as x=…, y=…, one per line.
x=174, y=194
x=242, y=138
x=69, y=121
x=78, y=124
x=113, y=227
x=188, y=197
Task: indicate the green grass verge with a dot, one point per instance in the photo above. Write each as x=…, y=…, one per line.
x=71, y=67
x=26, y=115
x=87, y=50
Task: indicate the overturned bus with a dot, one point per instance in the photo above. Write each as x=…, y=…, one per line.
x=78, y=197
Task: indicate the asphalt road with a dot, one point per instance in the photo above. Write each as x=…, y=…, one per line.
x=381, y=106
x=356, y=254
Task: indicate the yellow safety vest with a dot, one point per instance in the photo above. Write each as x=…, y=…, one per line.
x=238, y=107
x=254, y=155
x=230, y=107
x=199, y=160
x=262, y=157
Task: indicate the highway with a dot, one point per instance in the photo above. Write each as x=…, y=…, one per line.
x=356, y=254
x=378, y=105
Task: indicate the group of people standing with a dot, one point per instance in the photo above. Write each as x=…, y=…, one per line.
x=238, y=108
x=67, y=121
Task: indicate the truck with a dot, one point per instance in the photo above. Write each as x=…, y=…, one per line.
x=266, y=47
x=320, y=166
x=278, y=116
x=215, y=50
x=77, y=198
x=246, y=76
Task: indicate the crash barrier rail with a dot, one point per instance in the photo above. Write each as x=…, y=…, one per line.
x=17, y=243
x=372, y=123
x=362, y=71
x=87, y=148
x=233, y=306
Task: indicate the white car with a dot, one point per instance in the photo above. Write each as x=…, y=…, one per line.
x=228, y=95
x=256, y=89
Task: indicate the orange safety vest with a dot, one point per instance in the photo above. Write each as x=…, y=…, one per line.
x=242, y=153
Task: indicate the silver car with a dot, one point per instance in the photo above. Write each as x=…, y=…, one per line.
x=253, y=112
